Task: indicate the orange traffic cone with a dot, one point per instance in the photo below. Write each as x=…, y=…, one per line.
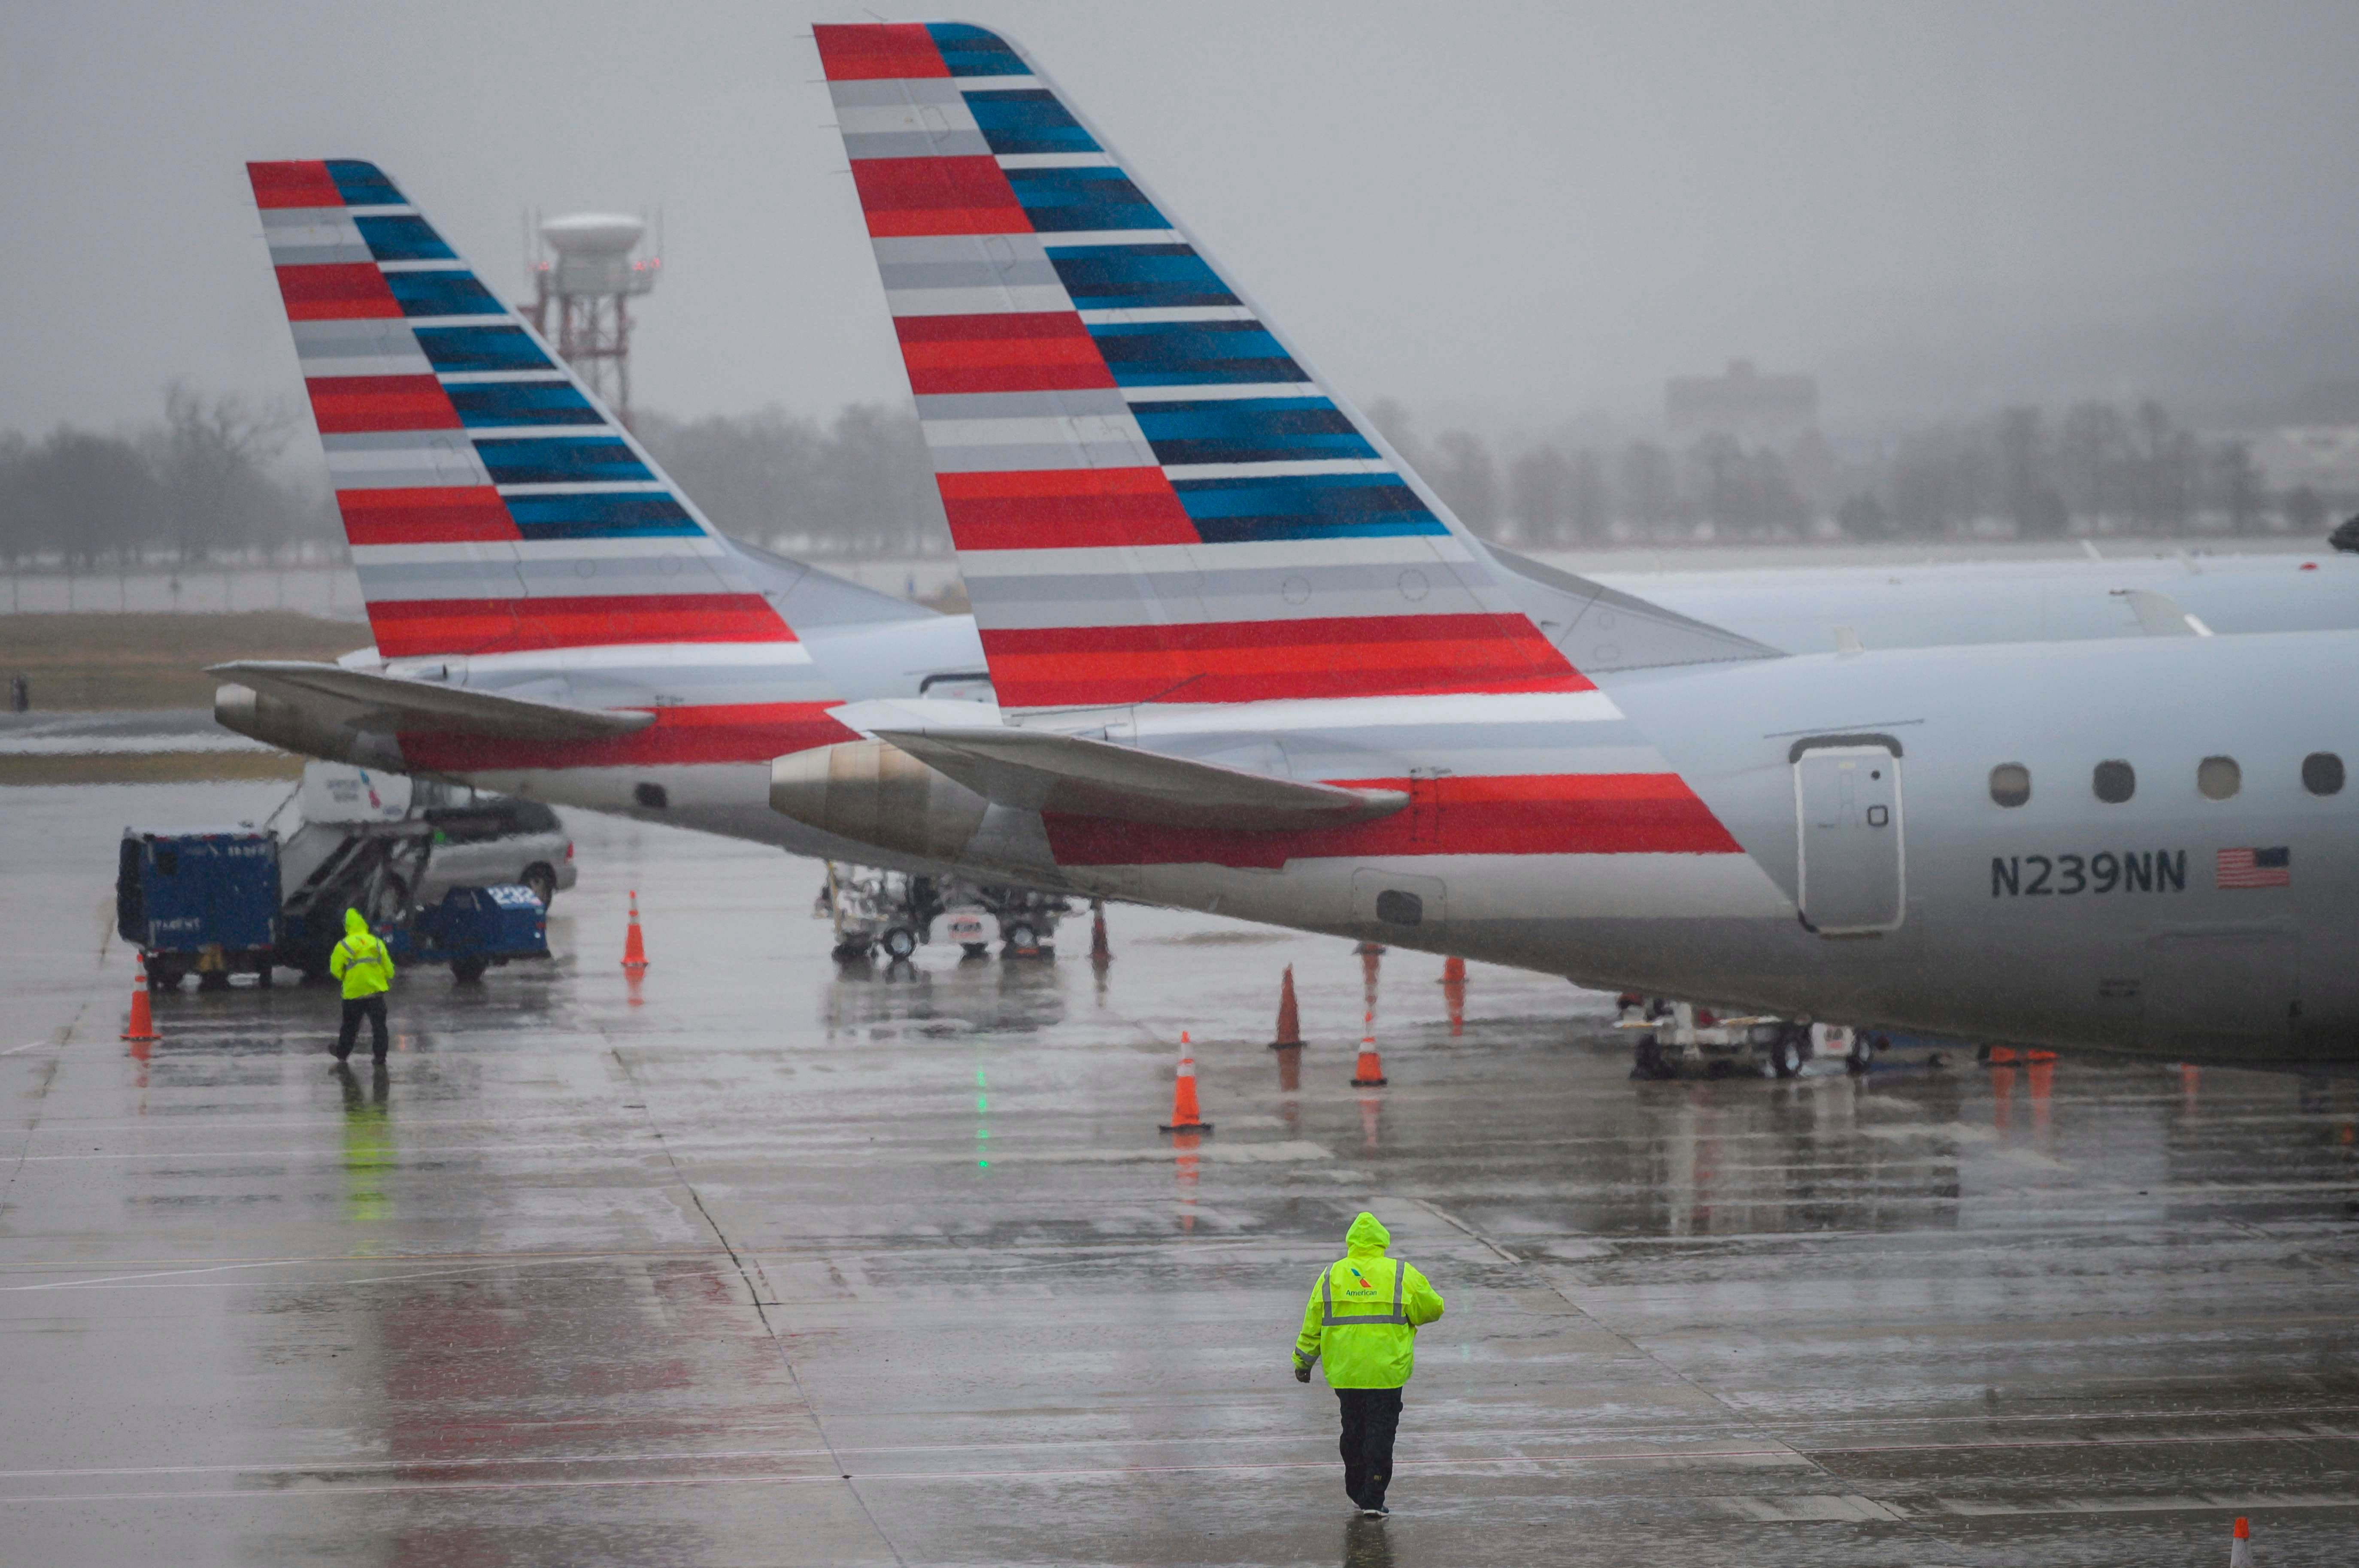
x=1453, y=971
x=1289, y=1021
x=142, y=1023
x=1100, y=954
x=1184, y=1115
x=2240, y=1546
x=634, y=946
x=1370, y=1073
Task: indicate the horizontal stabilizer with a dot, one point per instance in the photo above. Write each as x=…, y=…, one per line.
x=1070, y=775
x=417, y=705
x=1601, y=628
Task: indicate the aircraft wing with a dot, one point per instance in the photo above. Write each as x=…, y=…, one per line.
x=1040, y=771
x=428, y=705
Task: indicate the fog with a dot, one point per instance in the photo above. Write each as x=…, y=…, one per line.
x=1511, y=217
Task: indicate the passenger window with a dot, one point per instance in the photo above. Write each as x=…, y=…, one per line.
x=2010, y=784
x=2114, y=782
x=2218, y=777
x=2321, y=773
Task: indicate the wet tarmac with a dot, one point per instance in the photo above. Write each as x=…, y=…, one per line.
x=756, y=1263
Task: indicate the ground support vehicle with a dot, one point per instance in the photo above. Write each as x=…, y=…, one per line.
x=1027, y=919
x=968, y=926
x=890, y=911
x=1677, y=1036
x=474, y=929
x=201, y=901
x=875, y=909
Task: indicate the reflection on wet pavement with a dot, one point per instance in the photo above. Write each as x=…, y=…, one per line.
x=751, y=1258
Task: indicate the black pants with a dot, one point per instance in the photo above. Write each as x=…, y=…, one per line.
x=1371, y=1416
x=356, y=1009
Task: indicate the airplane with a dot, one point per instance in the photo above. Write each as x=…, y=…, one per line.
x=1798, y=608
x=554, y=617
x=1246, y=662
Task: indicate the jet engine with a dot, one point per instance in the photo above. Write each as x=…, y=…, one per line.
x=278, y=722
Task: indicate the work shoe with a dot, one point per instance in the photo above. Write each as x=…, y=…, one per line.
x=1379, y=1511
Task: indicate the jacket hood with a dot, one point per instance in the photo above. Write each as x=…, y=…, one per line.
x=1366, y=1236
x=353, y=925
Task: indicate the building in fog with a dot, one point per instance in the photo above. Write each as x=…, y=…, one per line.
x=1759, y=410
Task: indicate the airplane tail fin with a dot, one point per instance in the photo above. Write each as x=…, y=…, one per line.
x=1153, y=497
x=493, y=505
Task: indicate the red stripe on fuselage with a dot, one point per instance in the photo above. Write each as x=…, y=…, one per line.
x=1252, y=660
x=1555, y=814
x=345, y=403
x=869, y=52
x=731, y=732
x=336, y=291
x=454, y=515
x=306, y=183
x=1063, y=509
x=903, y=196
x=407, y=627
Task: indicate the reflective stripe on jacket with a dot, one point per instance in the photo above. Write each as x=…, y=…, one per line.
x=1362, y=1315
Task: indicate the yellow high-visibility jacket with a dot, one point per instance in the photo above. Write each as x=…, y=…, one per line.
x=360, y=960
x=1364, y=1311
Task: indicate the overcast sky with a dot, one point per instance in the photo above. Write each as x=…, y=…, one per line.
x=1516, y=212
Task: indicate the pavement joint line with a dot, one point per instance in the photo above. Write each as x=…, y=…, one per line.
x=1070, y=1473
x=1660, y=1454
x=1939, y=1512
x=113, y=1281
x=290, y=1157
x=754, y=1295
x=370, y=1258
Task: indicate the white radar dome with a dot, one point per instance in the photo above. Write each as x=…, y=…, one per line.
x=592, y=234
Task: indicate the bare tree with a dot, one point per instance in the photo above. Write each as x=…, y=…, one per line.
x=2024, y=461
x=2092, y=450
x=1589, y=506
x=1539, y=487
x=211, y=460
x=1648, y=486
x=2235, y=482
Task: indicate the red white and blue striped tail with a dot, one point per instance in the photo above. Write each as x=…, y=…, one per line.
x=492, y=504
x=1153, y=497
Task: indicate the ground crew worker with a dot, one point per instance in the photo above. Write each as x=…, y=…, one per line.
x=361, y=962
x=1362, y=1320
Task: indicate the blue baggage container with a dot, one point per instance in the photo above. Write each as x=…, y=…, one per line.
x=199, y=900
x=473, y=928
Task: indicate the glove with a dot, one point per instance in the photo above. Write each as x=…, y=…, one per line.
x=1303, y=1374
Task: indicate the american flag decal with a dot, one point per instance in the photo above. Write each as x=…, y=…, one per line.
x=2255, y=868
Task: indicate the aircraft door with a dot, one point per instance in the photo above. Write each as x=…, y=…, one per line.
x=1851, y=874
